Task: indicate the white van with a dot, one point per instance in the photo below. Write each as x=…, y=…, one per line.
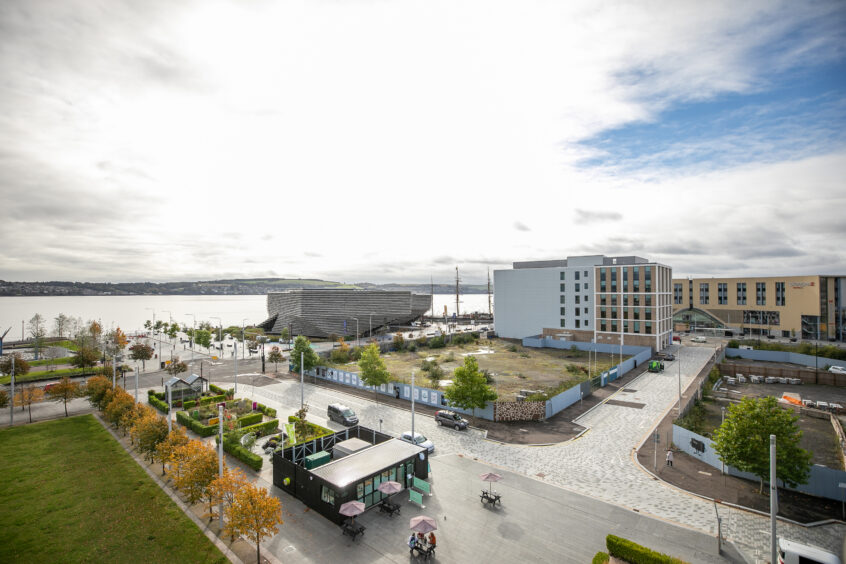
x=699, y=339
x=791, y=552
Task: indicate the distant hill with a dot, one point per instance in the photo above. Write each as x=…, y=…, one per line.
x=246, y=286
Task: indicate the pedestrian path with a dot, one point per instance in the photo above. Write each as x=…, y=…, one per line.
x=601, y=463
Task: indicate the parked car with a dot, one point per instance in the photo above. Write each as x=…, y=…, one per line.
x=450, y=419
x=792, y=552
x=667, y=357
x=699, y=339
x=837, y=369
x=419, y=440
x=342, y=414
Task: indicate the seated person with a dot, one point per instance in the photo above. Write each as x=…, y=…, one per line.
x=432, y=539
x=412, y=541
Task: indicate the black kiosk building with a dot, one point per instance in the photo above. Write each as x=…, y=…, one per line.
x=325, y=477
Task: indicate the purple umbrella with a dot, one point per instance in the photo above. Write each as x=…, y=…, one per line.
x=351, y=509
x=390, y=488
x=490, y=477
x=423, y=524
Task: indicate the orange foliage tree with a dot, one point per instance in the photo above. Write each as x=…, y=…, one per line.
x=255, y=514
x=64, y=391
x=197, y=467
x=166, y=448
x=223, y=489
x=28, y=396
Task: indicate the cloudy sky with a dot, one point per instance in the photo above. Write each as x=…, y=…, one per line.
x=395, y=140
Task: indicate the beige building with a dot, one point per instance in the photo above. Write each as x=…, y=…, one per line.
x=612, y=300
x=782, y=306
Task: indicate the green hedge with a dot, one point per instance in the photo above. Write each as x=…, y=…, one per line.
x=262, y=428
x=203, y=430
x=220, y=391
x=212, y=399
x=635, y=553
x=269, y=411
x=601, y=558
x=250, y=419
x=184, y=419
x=189, y=404
x=251, y=459
x=157, y=403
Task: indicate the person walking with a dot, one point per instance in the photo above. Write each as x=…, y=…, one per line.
x=669, y=457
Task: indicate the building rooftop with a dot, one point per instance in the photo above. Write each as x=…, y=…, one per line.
x=367, y=462
x=586, y=260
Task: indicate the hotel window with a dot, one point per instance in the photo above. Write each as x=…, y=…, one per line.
x=636, y=300
x=586, y=274
x=613, y=300
x=585, y=310
x=647, y=270
x=703, y=293
x=563, y=311
x=625, y=279
x=563, y=323
x=563, y=276
x=563, y=299
x=602, y=299
x=562, y=287
x=780, y=297
x=722, y=293
x=741, y=293
x=602, y=326
x=760, y=293
x=587, y=322
x=586, y=286
x=637, y=313
x=577, y=324
x=577, y=275
x=327, y=495
x=677, y=294
x=648, y=330
x=613, y=326
x=625, y=326
x=637, y=326
x=648, y=301
x=578, y=287
x=602, y=312
x=578, y=299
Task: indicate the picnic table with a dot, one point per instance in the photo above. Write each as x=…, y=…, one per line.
x=423, y=549
x=352, y=529
x=491, y=497
x=389, y=507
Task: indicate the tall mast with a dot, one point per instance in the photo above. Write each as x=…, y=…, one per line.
x=490, y=310
x=457, y=313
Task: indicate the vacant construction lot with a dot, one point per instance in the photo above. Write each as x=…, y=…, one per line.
x=512, y=366
x=71, y=493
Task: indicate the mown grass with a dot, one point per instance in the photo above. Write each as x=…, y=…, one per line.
x=71, y=493
x=46, y=375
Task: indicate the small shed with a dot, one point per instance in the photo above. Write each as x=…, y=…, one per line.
x=349, y=446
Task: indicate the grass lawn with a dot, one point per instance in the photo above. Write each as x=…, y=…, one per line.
x=71, y=493
x=35, y=376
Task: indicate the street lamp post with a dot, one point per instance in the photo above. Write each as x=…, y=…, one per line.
x=219, y=333
x=153, y=327
x=678, y=360
x=773, y=500
x=193, y=330
x=243, y=326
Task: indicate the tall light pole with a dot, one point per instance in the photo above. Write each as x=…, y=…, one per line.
x=678, y=360
x=153, y=328
x=243, y=326
x=169, y=421
x=219, y=332
x=220, y=456
x=12, y=404
x=413, y=440
x=773, y=501
x=193, y=330
x=170, y=322
x=357, y=343
x=302, y=379
x=370, y=331
x=236, y=368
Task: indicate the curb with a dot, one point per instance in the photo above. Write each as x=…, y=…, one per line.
x=204, y=527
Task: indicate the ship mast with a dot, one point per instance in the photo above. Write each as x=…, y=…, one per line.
x=490, y=310
x=457, y=313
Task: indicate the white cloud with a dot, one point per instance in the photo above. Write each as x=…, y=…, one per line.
x=343, y=138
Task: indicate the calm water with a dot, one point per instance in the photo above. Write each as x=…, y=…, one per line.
x=130, y=312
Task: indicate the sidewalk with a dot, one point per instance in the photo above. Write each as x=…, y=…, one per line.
x=557, y=429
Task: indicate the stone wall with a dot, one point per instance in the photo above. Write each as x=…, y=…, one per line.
x=807, y=375
x=519, y=410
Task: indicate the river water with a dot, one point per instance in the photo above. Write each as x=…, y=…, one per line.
x=130, y=312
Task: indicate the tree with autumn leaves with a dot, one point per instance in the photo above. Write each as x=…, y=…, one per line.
x=255, y=514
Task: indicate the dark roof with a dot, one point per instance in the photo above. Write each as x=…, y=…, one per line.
x=193, y=378
x=367, y=462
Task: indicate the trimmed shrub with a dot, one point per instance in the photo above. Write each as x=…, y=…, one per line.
x=217, y=389
x=250, y=419
x=262, y=429
x=189, y=404
x=233, y=446
x=635, y=553
x=157, y=403
x=269, y=411
x=184, y=419
x=212, y=399
x=601, y=558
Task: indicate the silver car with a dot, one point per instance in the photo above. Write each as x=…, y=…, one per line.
x=419, y=440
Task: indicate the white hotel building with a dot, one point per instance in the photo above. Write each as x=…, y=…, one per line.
x=588, y=298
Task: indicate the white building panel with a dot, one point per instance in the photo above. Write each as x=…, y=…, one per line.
x=527, y=300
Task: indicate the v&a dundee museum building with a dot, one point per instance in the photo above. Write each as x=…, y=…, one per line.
x=324, y=312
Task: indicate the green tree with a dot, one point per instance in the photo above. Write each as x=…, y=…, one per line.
x=176, y=367
x=142, y=352
x=469, y=390
x=172, y=330
x=285, y=334
x=85, y=357
x=37, y=330
x=275, y=356
x=4, y=398
x=302, y=347
x=60, y=325
x=372, y=367
x=21, y=366
x=64, y=391
x=743, y=441
x=399, y=342
x=202, y=337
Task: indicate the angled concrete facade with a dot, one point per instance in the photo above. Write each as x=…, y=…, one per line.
x=323, y=312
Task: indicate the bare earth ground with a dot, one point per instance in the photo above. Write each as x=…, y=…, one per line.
x=526, y=369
